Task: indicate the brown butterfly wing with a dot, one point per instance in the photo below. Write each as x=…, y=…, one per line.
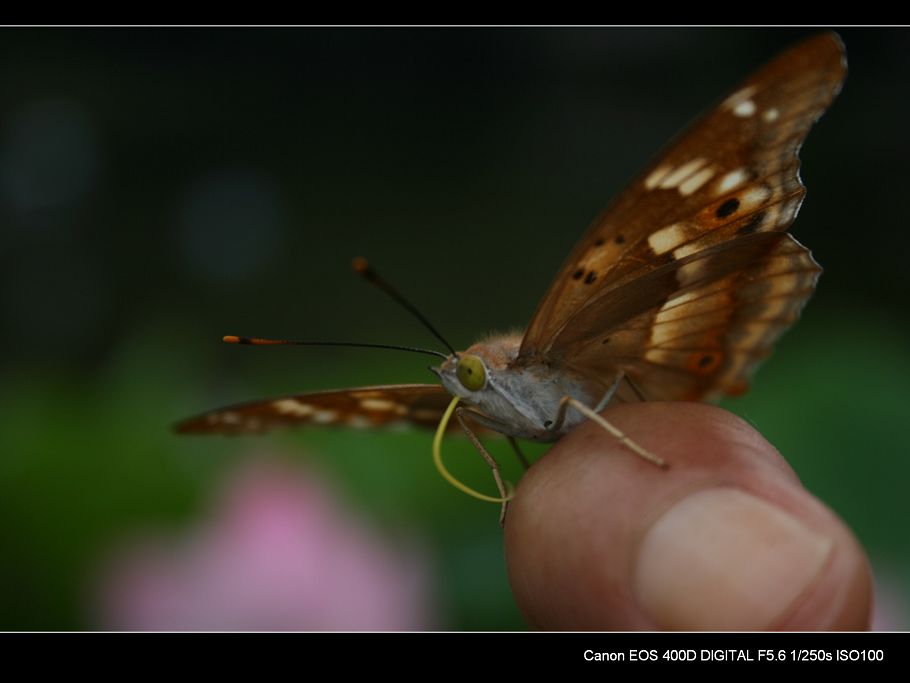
x=729, y=305
x=733, y=174
x=381, y=406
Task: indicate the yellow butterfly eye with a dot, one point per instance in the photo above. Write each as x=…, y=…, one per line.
x=471, y=373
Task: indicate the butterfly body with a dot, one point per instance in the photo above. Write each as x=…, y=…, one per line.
x=519, y=400
x=675, y=292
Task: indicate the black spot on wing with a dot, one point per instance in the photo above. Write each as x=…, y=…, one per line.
x=728, y=208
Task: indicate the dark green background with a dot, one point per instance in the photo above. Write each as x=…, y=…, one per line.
x=164, y=187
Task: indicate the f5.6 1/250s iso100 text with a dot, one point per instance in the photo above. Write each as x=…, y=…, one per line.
x=737, y=655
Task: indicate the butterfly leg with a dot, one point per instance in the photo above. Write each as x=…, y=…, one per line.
x=611, y=391
x=594, y=415
x=497, y=476
x=620, y=436
x=556, y=425
x=521, y=456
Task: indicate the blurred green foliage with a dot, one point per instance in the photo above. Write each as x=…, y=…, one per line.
x=465, y=163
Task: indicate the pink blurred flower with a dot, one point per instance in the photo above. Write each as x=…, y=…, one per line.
x=277, y=553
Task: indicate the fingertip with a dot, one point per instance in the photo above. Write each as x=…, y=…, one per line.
x=597, y=538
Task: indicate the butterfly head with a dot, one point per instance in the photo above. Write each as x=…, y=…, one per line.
x=464, y=375
x=471, y=375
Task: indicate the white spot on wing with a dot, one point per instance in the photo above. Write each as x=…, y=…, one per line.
x=653, y=180
x=687, y=250
x=660, y=334
x=744, y=109
x=732, y=180
x=680, y=174
x=291, y=406
x=667, y=238
x=377, y=404
x=692, y=183
x=770, y=115
x=740, y=96
x=754, y=196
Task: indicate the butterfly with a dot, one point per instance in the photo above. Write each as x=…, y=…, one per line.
x=675, y=292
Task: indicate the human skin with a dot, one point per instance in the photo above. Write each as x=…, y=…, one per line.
x=725, y=538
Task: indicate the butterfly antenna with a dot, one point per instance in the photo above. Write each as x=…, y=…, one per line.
x=362, y=267
x=254, y=341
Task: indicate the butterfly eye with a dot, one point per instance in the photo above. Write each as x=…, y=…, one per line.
x=471, y=373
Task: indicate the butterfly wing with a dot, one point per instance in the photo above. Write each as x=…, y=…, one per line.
x=380, y=406
x=733, y=174
x=728, y=306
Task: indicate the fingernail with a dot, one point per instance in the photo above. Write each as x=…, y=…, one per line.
x=723, y=559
